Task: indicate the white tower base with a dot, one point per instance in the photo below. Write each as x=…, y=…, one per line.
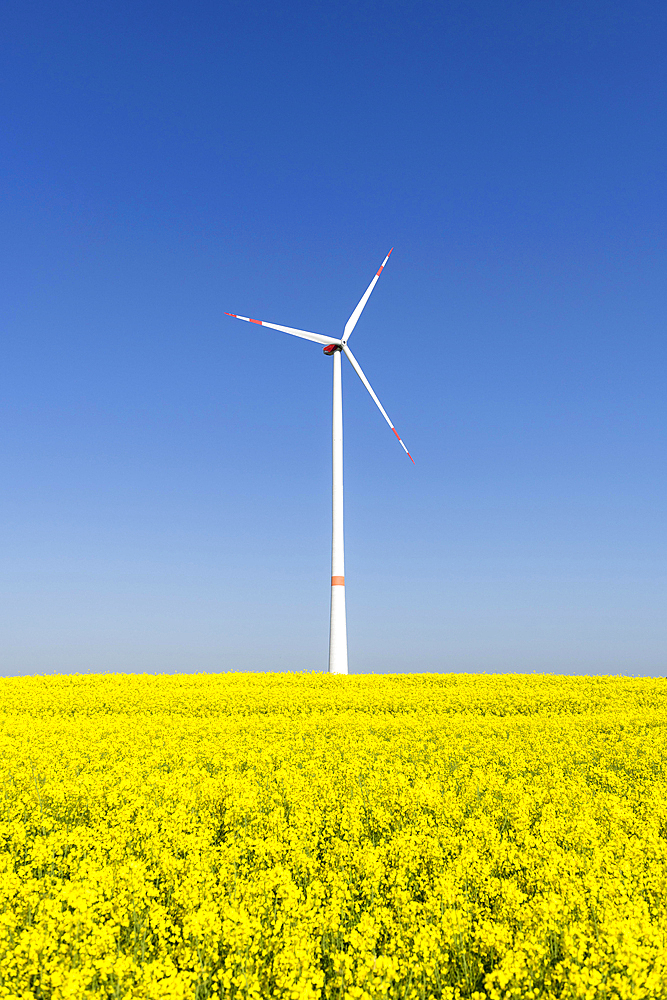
x=338, y=628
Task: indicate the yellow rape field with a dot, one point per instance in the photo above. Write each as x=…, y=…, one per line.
x=306, y=836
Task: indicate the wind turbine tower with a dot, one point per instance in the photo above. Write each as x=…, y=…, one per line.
x=335, y=349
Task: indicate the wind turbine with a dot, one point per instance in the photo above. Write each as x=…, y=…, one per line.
x=338, y=629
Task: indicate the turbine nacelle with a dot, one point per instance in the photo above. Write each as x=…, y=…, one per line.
x=331, y=349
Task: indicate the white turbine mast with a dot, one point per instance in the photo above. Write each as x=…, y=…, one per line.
x=338, y=628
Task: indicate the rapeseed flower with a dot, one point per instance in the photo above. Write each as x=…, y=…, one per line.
x=333, y=838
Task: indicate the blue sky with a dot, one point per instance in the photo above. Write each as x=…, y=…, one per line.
x=166, y=470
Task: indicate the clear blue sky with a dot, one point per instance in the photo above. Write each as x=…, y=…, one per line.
x=165, y=501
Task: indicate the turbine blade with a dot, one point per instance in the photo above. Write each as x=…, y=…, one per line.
x=318, y=338
x=357, y=367
x=352, y=321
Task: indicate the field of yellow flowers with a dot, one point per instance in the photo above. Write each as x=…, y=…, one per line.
x=307, y=836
